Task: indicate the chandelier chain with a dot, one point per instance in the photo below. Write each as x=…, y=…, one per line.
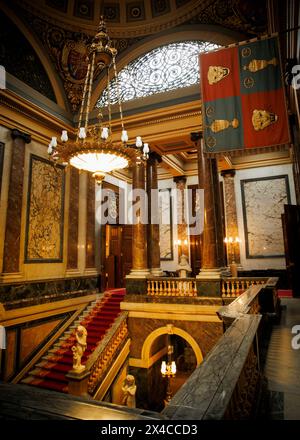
x=90, y=91
x=109, y=105
x=83, y=98
x=118, y=92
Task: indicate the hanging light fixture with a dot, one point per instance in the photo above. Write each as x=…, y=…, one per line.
x=168, y=370
x=93, y=149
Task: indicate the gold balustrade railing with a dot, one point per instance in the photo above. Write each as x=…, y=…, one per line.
x=233, y=287
x=101, y=360
x=171, y=287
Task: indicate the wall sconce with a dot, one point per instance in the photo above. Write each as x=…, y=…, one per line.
x=231, y=243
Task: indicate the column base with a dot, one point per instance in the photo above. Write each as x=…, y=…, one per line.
x=210, y=274
x=157, y=272
x=209, y=282
x=7, y=277
x=139, y=273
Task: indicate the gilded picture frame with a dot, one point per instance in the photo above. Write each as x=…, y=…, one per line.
x=44, y=233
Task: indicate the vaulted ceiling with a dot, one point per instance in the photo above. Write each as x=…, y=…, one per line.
x=62, y=29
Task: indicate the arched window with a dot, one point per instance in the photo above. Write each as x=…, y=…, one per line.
x=162, y=69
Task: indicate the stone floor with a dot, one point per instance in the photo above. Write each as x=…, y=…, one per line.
x=282, y=367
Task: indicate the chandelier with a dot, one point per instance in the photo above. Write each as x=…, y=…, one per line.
x=93, y=149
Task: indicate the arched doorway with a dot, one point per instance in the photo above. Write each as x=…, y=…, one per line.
x=185, y=352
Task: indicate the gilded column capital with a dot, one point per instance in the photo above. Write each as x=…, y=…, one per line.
x=179, y=179
x=228, y=173
x=196, y=136
x=15, y=133
x=153, y=158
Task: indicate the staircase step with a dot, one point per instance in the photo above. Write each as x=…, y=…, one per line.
x=63, y=368
x=59, y=359
x=48, y=384
x=41, y=373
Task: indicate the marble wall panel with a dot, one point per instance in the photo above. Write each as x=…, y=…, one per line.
x=33, y=336
x=17, y=295
x=45, y=212
x=263, y=202
x=11, y=253
x=166, y=225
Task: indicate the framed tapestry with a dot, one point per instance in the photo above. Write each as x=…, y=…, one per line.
x=263, y=201
x=45, y=212
x=1, y=162
x=165, y=225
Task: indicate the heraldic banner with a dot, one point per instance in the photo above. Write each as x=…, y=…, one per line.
x=243, y=97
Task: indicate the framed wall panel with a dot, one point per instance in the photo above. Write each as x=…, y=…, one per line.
x=165, y=225
x=263, y=201
x=45, y=212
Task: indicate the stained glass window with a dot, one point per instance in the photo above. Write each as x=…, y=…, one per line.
x=162, y=69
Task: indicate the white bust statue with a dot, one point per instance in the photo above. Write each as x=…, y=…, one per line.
x=183, y=267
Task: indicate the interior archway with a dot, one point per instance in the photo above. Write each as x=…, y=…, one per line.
x=170, y=329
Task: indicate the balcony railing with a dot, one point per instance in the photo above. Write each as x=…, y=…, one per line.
x=171, y=287
x=187, y=287
x=234, y=287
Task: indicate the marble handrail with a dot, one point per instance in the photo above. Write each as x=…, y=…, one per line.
x=211, y=392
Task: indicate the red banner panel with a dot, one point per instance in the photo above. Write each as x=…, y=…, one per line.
x=243, y=97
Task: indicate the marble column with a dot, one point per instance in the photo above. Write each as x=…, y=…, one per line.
x=90, y=223
x=212, y=252
x=139, y=232
x=182, y=234
x=82, y=221
x=231, y=213
x=72, y=258
x=153, y=215
x=11, y=255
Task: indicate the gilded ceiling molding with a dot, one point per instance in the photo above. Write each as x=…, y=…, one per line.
x=130, y=29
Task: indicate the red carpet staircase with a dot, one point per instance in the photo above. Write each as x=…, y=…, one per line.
x=50, y=372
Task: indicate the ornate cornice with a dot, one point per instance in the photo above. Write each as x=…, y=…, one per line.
x=20, y=114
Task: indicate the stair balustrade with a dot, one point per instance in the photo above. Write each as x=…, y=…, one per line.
x=161, y=286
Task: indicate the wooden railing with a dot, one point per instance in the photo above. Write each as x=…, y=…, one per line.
x=171, y=287
x=234, y=287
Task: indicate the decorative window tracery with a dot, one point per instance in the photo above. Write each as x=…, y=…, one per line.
x=162, y=69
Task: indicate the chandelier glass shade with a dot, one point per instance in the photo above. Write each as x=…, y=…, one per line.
x=93, y=149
